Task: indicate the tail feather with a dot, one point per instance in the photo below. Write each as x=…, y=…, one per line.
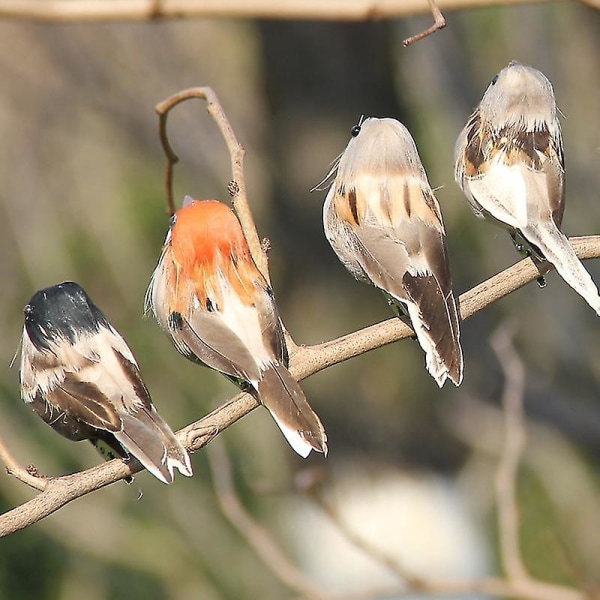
x=280, y=393
x=557, y=250
x=147, y=437
x=435, y=320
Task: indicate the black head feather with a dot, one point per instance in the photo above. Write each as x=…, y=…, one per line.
x=61, y=312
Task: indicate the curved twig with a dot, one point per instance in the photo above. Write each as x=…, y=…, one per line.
x=25, y=474
x=438, y=23
x=237, y=187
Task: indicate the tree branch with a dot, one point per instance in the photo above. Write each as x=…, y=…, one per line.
x=312, y=359
x=305, y=362
x=143, y=10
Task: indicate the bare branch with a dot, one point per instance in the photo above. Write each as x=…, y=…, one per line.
x=311, y=359
x=273, y=556
x=307, y=361
x=514, y=444
x=142, y=10
x=237, y=188
x=439, y=23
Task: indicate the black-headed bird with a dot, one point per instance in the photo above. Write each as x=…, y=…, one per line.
x=80, y=377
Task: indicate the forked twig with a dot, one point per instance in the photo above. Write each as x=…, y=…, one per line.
x=439, y=23
x=237, y=187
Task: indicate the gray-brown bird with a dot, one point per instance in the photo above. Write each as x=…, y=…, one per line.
x=510, y=164
x=384, y=223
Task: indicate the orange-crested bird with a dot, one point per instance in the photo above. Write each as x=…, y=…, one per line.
x=80, y=377
x=384, y=223
x=210, y=298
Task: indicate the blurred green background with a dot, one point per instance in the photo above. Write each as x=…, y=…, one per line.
x=82, y=198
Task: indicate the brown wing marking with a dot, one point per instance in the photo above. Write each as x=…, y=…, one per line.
x=84, y=401
x=214, y=344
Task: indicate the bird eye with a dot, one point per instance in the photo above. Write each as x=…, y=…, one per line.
x=172, y=221
x=355, y=130
x=28, y=309
x=494, y=80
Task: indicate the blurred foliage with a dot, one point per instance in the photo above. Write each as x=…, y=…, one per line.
x=82, y=199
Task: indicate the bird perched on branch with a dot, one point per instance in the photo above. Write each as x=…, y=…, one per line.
x=384, y=223
x=218, y=309
x=510, y=164
x=80, y=377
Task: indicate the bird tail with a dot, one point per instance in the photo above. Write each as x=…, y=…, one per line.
x=280, y=393
x=436, y=326
x=557, y=250
x=146, y=436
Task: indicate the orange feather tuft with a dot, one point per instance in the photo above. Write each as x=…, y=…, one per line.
x=207, y=239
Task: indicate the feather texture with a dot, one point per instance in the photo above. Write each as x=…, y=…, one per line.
x=383, y=221
x=79, y=375
x=217, y=308
x=509, y=162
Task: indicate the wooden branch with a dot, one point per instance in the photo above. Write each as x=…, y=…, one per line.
x=307, y=361
x=276, y=560
x=237, y=187
x=311, y=359
x=142, y=10
x=390, y=562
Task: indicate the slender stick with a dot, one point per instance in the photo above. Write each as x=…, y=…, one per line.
x=439, y=23
x=256, y=535
x=512, y=451
x=307, y=361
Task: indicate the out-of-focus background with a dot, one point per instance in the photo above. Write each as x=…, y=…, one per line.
x=410, y=467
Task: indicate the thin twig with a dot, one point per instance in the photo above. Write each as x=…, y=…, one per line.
x=510, y=457
x=21, y=473
x=439, y=23
x=274, y=557
x=135, y=10
x=237, y=186
x=255, y=534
